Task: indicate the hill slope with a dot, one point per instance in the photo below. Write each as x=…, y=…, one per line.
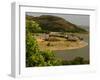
x=55, y=23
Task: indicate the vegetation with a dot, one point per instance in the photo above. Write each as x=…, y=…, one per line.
x=53, y=39
x=76, y=61
x=55, y=24
x=36, y=57
x=33, y=27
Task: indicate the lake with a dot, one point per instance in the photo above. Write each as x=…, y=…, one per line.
x=71, y=54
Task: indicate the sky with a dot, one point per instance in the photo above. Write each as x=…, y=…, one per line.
x=77, y=19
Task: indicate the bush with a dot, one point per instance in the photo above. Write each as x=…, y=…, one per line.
x=32, y=26
x=53, y=39
x=48, y=44
x=35, y=57
x=44, y=58
x=76, y=61
x=31, y=45
x=50, y=58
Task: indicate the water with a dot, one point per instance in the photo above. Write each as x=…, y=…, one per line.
x=71, y=54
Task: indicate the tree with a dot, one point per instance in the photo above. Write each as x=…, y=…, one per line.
x=35, y=57
x=31, y=45
x=50, y=58
x=32, y=26
x=31, y=48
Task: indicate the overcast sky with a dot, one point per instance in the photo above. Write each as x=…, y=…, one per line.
x=74, y=18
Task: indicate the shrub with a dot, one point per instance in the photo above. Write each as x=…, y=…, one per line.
x=76, y=61
x=31, y=45
x=35, y=57
x=32, y=26
x=53, y=39
x=48, y=44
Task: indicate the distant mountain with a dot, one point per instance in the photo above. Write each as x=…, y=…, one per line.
x=55, y=23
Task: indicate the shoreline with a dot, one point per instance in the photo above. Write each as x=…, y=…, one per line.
x=72, y=48
x=62, y=46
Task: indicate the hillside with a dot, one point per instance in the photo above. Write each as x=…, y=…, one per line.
x=55, y=23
